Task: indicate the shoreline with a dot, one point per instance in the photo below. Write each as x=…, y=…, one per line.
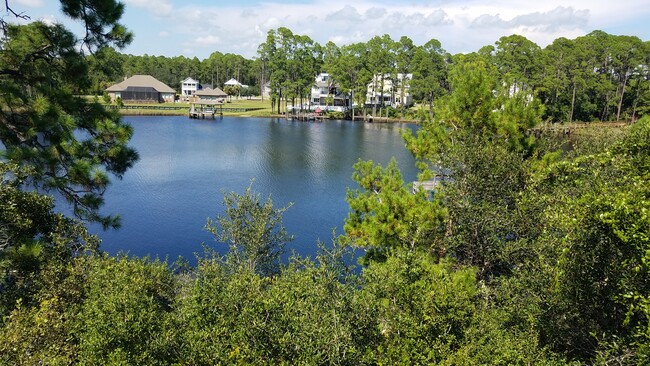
x=126, y=112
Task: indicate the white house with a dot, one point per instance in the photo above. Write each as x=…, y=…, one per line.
x=266, y=90
x=325, y=94
x=189, y=87
x=392, y=92
x=233, y=82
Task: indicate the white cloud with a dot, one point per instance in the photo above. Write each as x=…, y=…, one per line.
x=489, y=21
x=271, y=23
x=343, y=39
x=29, y=3
x=209, y=40
x=248, y=13
x=550, y=21
x=163, y=34
x=437, y=17
x=346, y=14
x=160, y=8
x=375, y=13
x=556, y=19
x=49, y=20
x=406, y=22
x=460, y=25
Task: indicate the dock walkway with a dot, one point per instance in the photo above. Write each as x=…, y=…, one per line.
x=206, y=109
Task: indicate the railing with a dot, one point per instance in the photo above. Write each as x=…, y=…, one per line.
x=155, y=107
x=164, y=107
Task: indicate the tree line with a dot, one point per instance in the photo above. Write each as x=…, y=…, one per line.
x=596, y=77
x=531, y=250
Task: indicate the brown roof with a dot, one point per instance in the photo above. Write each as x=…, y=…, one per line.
x=143, y=81
x=211, y=93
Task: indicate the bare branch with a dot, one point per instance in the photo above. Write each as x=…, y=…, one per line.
x=20, y=15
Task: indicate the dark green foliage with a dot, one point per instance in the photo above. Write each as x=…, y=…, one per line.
x=33, y=238
x=289, y=62
x=430, y=66
x=307, y=314
x=253, y=230
x=477, y=139
x=597, y=223
x=422, y=307
x=100, y=18
x=70, y=144
x=526, y=253
x=126, y=315
x=385, y=215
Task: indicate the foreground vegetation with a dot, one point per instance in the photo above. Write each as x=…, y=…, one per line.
x=518, y=260
x=533, y=250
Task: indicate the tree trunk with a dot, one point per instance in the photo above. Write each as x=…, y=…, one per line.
x=381, y=94
x=374, y=97
x=573, y=103
x=262, y=82
x=636, y=100
x=620, y=100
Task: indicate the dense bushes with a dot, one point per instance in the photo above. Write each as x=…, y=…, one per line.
x=559, y=274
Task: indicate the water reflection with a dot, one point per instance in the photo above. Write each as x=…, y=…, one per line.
x=186, y=165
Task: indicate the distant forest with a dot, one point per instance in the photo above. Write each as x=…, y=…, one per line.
x=596, y=77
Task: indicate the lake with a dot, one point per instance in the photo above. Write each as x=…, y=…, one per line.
x=186, y=166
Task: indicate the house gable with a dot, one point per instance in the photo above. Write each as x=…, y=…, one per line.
x=189, y=86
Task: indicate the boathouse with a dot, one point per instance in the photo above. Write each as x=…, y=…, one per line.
x=209, y=94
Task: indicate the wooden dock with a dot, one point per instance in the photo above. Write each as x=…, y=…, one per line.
x=205, y=109
x=429, y=185
x=307, y=116
x=571, y=128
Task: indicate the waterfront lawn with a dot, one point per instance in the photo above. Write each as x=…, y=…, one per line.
x=258, y=108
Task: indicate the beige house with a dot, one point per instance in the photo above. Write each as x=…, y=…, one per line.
x=141, y=88
x=211, y=94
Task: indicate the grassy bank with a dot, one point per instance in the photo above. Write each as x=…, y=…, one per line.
x=244, y=108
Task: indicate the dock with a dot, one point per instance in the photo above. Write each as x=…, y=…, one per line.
x=572, y=128
x=429, y=185
x=205, y=109
x=306, y=116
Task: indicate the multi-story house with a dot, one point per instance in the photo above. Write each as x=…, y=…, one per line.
x=325, y=94
x=394, y=92
x=189, y=87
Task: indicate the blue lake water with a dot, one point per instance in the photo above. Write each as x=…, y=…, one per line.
x=186, y=166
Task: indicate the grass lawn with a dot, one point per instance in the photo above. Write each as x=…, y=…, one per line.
x=258, y=108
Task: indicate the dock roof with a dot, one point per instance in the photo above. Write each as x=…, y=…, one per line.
x=208, y=92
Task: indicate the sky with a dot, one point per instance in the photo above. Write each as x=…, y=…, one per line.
x=197, y=28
